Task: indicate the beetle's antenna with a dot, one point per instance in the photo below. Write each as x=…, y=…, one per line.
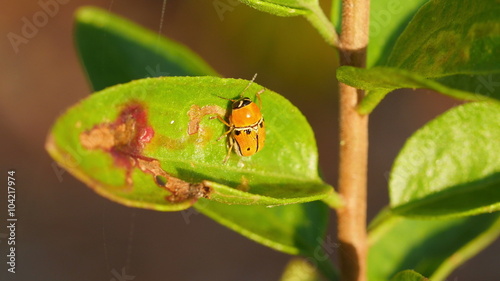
x=253, y=79
x=241, y=95
x=226, y=99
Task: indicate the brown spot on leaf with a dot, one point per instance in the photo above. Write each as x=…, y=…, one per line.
x=125, y=138
x=243, y=186
x=174, y=143
x=98, y=138
x=196, y=114
x=128, y=134
x=181, y=190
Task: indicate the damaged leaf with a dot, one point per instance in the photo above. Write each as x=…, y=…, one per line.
x=153, y=143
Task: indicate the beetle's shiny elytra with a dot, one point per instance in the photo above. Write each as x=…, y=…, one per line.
x=247, y=131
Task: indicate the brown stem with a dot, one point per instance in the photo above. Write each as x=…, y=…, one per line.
x=353, y=146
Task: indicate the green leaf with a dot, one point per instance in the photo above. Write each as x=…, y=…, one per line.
x=135, y=140
x=175, y=59
x=388, y=20
x=292, y=229
x=408, y=275
x=433, y=248
x=300, y=270
x=284, y=8
x=436, y=44
x=115, y=50
x=450, y=167
x=296, y=229
x=310, y=9
x=379, y=81
x=458, y=58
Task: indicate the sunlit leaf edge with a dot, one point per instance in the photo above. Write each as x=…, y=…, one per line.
x=379, y=81
x=276, y=9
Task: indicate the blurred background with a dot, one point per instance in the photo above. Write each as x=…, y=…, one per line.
x=67, y=232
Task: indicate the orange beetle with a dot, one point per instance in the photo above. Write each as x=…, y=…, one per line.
x=247, y=132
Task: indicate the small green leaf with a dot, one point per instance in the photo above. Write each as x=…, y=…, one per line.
x=133, y=140
x=115, y=50
x=459, y=58
x=388, y=20
x=284, y=8
x=433, y=248
x=409, y=275
x=379, y=81
x=296, y=229
x=300, y=270
x=292, y=229
x=450, y=166
x=310, y=9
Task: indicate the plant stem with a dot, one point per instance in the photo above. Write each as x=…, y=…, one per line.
x=353, y=145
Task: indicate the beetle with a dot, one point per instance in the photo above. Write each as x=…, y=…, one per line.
x=247, y=131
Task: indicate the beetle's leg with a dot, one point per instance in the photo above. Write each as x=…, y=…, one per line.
x=231, y=145
x=225, y=134
x=220, y=119
x=227, y=124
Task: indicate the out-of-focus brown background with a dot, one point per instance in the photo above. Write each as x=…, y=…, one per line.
x=67, y=232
